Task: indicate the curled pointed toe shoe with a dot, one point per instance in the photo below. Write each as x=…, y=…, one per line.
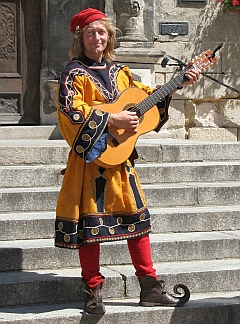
x=153, y=293
x=94, y=303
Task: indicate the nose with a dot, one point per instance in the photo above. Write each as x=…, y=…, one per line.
x=96, y=35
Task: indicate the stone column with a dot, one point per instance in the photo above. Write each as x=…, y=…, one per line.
x=129, y=19
x=134, y=49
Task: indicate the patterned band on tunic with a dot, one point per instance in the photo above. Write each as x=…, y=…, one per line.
x=102, y=228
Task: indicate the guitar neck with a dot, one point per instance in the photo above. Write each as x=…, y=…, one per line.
x=160, y=93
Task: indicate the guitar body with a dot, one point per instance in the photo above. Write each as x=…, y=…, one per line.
x=120, y=143
x=117, y=154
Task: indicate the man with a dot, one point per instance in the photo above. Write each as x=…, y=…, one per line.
x=99, y=203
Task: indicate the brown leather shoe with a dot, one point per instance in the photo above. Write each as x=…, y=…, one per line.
x=93, y=302
x=153, y=293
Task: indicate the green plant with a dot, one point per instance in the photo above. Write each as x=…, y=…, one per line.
x=230, y=5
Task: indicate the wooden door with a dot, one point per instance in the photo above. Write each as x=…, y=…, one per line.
x=20, y=39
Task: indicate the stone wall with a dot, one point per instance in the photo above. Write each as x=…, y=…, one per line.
x=207, y=110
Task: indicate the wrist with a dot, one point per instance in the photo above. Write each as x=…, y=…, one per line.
x=112, y=120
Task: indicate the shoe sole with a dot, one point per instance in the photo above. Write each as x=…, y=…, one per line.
x=148, y=304
x=99, y=309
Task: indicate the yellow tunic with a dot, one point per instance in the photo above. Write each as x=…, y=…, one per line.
x=95, y=204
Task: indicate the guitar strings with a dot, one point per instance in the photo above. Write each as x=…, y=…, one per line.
x=158, y=95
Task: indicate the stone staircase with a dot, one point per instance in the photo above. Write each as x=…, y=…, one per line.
x=193, y=191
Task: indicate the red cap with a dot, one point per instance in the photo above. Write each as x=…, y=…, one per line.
x=85, y=17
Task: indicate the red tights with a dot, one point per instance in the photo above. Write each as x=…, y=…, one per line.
x=140, y=252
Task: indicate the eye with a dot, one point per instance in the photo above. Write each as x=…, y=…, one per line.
x=89, y=31
x=102, y=32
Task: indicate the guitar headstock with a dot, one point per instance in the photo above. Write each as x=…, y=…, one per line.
x=204, y=60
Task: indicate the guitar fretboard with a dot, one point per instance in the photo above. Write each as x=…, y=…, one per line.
x=160, y=93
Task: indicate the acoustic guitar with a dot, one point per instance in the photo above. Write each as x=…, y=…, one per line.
x=120, y=143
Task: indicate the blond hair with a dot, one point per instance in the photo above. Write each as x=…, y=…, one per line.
x=77, y=48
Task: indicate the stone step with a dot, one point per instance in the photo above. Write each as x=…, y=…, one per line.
x=40, y=225
x=195, y=219
x=49, y=175
x=192, y=194
x=174, y=150
x=157, y=195
x=189, y=172
x=40, y=286
x=203, y=308
x=209, y=308
x=27, y=226
x=32, y=152
x=28, y=199
x=168, y=247
x=200, y=276
x=44, y=132
x=50, y=286
x=30, y=176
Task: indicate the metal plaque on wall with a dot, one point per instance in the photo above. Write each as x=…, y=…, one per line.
x=192, y=1
x=174, y=28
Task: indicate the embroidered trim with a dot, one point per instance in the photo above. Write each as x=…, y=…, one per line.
x=101, y=228
x=113, y=79
x=68, y=91
x=90, y=133
x=135, y=190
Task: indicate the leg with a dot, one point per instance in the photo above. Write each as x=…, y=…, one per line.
x=153, y=291
x=141, y=255
x=89, y=256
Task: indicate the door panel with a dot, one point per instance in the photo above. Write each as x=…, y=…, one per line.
x=20, y=61
x=11, y=88
x=8, y=37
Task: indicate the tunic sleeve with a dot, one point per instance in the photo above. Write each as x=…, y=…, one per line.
x=82, y=126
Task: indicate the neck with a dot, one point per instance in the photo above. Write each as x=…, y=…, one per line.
x=95, y=57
